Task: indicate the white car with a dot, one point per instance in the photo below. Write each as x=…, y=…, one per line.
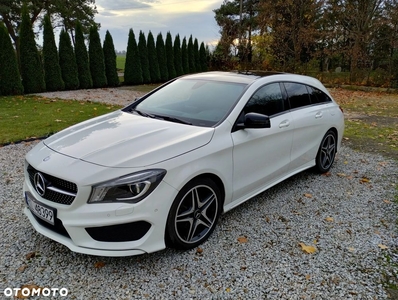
x=160, y=171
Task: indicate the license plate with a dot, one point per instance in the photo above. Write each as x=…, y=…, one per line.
x=40, y=210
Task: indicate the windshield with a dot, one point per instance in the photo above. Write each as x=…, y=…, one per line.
x=192, y=101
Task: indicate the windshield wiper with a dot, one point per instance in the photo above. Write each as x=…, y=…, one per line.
x=173, y=119
x=144, y=114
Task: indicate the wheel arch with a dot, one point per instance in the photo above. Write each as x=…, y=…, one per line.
x=217, y=180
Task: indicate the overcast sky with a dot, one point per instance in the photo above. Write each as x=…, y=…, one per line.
x=183, y=17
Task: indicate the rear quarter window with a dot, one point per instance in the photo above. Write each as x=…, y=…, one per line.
x=298, y=94
x=317, y=96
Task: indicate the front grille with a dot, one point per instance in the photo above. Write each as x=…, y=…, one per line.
x=57, y=190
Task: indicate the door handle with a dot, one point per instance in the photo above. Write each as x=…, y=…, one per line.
x=318, y=115
x=284, y=123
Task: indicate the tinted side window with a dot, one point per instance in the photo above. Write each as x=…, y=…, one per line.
x=317, y=96
x=298, y=94
x=268, y=100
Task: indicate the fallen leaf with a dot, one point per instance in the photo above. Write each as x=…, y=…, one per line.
x=242, y=239
x=199, y=250
x=351, y=249
x=327, y=174
x=341, y=175
x=307, y=249
x=22, y=268
x=99, y=264
x=387, y=201
x=228, y=290
x=383, y=247
x=30, y=255
x=308, y=277
x=308, y=195
x=364, y=180
x=329, y=219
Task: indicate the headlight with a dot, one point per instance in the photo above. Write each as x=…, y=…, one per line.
x=131, y=188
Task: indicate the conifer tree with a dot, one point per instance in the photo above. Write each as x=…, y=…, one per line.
x=203, y=58
x=31, y=65
x=10, y=80
x=191, y=56
x=110, y=61
x=81, y=55
x=143, y=52
x=196, y=55
x=67, y=61
x=52, y=69
x=132, y=68
x=96, y=59
x=178, y=56
x=153, y=59
x=170, y=56
x=162, y=60
x=184, y=56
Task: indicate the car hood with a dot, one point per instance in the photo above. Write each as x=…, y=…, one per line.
x=121, y=139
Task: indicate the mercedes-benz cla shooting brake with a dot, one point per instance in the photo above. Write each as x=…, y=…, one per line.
x=160, y=171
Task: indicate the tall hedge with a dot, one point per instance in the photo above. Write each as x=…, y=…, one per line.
x=203, y=58
x=178, y=56
x=196, y=55
x=83, y=67
x=52, y=69
x=96, y=59
x=31, y=65
x=143, y=52
x=191, y=56
x=132, y=68
x=170, y=56
x=110, y=61
x=162, y=60
x=10, y=80
x=153, y=59
x=184, y=56
x=67, y=61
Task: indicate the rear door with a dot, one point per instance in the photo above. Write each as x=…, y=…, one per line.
x=311, y=117
x=261, y=156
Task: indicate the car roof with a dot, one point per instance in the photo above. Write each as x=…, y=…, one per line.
x=248, y=77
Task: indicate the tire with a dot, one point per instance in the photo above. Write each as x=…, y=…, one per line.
x=326, y=153
x=193, y=214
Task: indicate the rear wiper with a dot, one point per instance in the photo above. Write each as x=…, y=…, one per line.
x=173, y=119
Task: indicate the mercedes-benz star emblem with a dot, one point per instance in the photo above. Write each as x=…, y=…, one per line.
x=40, y=184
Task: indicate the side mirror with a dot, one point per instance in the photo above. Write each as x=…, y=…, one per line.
x=255, y=120
x=252, y=120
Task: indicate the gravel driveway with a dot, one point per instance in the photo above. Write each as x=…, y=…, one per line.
x=347, y=215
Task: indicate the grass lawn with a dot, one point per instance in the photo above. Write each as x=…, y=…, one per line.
x=371, y=120
x=25, y=117
x=120, y=62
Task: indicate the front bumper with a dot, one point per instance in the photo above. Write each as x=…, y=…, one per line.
x=107, y=229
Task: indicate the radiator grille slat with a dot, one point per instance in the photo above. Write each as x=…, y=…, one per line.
x=60, y=184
